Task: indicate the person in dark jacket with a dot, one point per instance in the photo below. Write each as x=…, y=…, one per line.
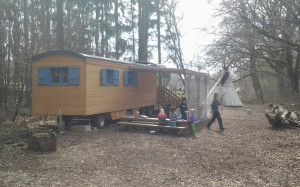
x=183, y=108
x=215, y=111
x=167, y=110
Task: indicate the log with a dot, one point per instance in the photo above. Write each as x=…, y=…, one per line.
x=44, y=142
x=270, y=118
x=281, y=119
x=294, y=123
x=276, y=120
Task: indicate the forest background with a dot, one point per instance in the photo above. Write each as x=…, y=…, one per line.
x=258, y=40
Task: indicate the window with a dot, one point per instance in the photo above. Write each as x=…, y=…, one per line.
x=58, y=76
x=109, y=77
x=130, y=78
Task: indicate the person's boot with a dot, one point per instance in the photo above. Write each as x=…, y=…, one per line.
x=221, y=127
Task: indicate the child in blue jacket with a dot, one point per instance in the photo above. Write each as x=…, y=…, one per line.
x=173, y=117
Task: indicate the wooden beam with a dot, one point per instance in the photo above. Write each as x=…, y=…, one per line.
x=147, y=125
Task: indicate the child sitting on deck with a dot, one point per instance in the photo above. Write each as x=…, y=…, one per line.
x=173, y=117
x=162, y=117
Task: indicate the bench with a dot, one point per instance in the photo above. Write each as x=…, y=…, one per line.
x=180, y=130
x=183, y=123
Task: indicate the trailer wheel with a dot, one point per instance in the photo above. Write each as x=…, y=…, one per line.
x=67, y=120
x=99, y=121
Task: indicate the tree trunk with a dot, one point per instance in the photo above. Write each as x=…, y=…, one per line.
x=144, y=21
x=59, y=25
x=82, y=34
x=281, y=84
x=18, y=104
x=158, y=39
x=252, y=56
x=297, y=70
x=7, y=69
x=97, y=28
x=117, y=29
x=47, y=28
x=289, y=56
x=102, y=30
x=16, y=56
x=132, y=26
x=158, y=31
x=292, y=71
x=44, y=142
x=43, y=25
x=106, y=33
x=3, y=43
x=255, y=80
x=68, y=43
x=26, y=58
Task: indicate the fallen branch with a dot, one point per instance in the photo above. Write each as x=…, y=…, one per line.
x=280, y=117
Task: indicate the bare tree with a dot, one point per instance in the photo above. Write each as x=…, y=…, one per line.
x=263, y=36
x=173, y=35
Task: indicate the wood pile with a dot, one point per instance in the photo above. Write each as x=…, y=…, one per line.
x=281, y=117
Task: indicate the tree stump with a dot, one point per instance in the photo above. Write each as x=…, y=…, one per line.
x=44, y=142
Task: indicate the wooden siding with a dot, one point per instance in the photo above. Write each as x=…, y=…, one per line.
x=103, y=99
x=48, y=99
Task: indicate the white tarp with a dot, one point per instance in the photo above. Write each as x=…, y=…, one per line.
x=227, y=93
x=196, y=90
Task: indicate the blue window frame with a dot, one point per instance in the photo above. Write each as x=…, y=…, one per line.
x=58, y=76
x=109, y=77
x=130, y=78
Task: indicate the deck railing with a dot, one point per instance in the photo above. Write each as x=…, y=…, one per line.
x=166, y=97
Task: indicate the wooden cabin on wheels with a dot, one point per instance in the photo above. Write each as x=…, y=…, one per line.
x=80, y=85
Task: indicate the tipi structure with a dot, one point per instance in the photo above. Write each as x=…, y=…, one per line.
x=226, y=91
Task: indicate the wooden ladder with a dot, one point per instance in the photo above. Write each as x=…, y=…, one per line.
x=165, y=97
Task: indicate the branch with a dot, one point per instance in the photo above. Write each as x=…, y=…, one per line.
x=245, y=76
x=265, y=33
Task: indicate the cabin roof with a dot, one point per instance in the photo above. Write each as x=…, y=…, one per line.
x=143, y=66
x=168, y=70
x=86, y=56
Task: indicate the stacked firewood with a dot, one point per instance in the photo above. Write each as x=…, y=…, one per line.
x=281, y=117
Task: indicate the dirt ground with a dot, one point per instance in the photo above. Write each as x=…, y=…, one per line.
x=247, y=153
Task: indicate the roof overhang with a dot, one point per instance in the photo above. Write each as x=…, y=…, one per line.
x=179, y=71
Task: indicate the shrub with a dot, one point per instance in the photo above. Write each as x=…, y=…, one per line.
x=13, y=131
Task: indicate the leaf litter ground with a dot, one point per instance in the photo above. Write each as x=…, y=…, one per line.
x=247, y=153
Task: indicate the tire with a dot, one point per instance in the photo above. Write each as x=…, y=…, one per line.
x=99, y=121
x=67, y=120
